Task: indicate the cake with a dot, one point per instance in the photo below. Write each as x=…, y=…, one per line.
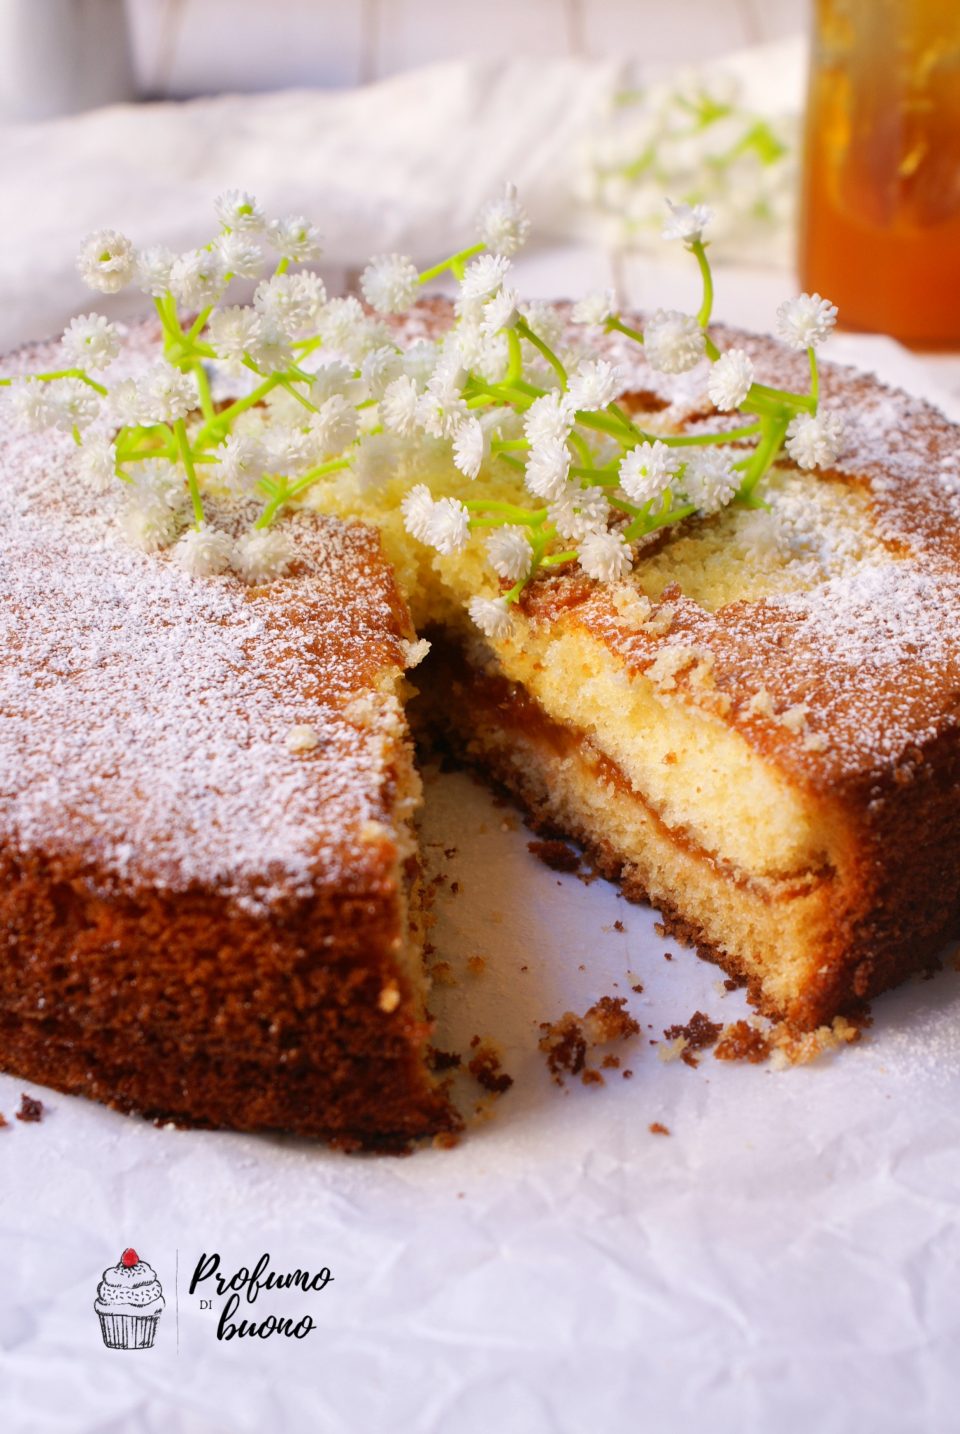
x=209, y=899
x=209, y=904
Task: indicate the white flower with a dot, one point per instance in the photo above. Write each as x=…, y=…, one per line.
x=484, y=277
x=147, y=520
x=289, y=450
x=686, y=222
x=509, y=552
x=469, y=446
x=76, y=405
x=91, y=342
x=442, y=407
x=334, y=425
x=233, y=332
x=605, y=556
x=294, y=238
x=594, y=384
x=417, y=507
x=241, y=462
x=549, y=418
x=390, y=283
x=547, y=467
x=710, y=480
x=379, y=368
x=595, y=308
x=204, y=551
x=448, y=526
x=730, y=379
x=126, y=403
x=32, y=405
x=156, y=479
x=153, y=270
x=342, y=323
x=240, y=255
x=98, y=463
x=577, y=511
x=166, y=394
x=399, y=405
x=546, y=322
x=648, y=470
x=503, y=223
x=198, y=277
x=311, y=291
x=673, y=342
x=492, y=616
x=107, y=261
x=499, y=313
x=419, y=361
x=238, y=210
x=332, y=378
x=273, y=352
x=262, y=554
x=815, y=441
x=282, y=302
x=806, y=321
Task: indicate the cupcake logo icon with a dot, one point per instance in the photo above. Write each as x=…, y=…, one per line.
x=129, y=1303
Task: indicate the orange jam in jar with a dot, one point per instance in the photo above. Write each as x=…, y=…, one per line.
x=880, y=224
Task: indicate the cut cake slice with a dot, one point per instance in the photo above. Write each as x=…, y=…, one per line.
x=209, y=906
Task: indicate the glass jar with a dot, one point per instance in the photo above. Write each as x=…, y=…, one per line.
x=880, y=222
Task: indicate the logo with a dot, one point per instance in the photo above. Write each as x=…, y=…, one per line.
x=129, y=1303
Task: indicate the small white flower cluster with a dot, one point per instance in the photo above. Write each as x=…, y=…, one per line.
x=508, y=388
x=695, y=138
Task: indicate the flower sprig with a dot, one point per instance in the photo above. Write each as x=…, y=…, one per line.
x=319, y=385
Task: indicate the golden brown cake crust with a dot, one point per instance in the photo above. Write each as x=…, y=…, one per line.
x=195, y=921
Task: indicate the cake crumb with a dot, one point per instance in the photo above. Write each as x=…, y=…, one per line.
x=446, y=1140
x=4, y=1122
x=673, y=1051
x=442, y=973
x=592, y=1077
x=439, y=1060
x=389, y=998
x=486, y=1068
x=628, y=1074
x=657, y=1128
x=31, y=1109
x=611, y=1062
x=476, y=965
x=618, y=925
x=565, y=1042
x=761, y=704
x=699, y=1034
x=795, y=718
x=741, y=1041
x=557, y=855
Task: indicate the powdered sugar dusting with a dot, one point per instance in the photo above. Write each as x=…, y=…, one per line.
x=144, y=714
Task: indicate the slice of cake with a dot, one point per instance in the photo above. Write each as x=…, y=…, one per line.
x=209, y=906
x=756, y=729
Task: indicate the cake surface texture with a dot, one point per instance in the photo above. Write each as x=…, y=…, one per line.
x=196, y=921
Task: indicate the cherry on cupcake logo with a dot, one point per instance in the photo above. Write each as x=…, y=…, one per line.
x=129, y=1303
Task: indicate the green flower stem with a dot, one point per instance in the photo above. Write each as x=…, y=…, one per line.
x=287, y=385
x=457, y=263
x=199, y=323
x=603, y=476
x=764, y=455
x=186, y=457
x=513, y=462
x=616, y=325
x=282, y=267
x=579, y=445
x=308, y=346
x=203, y=387
x=698, y=249
x=526, y=332
x=515, y=369
x=554, y=559
x=506, y=445
x=213, y=429
x=645, y=524
x=814, y=378
x=79, y=373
